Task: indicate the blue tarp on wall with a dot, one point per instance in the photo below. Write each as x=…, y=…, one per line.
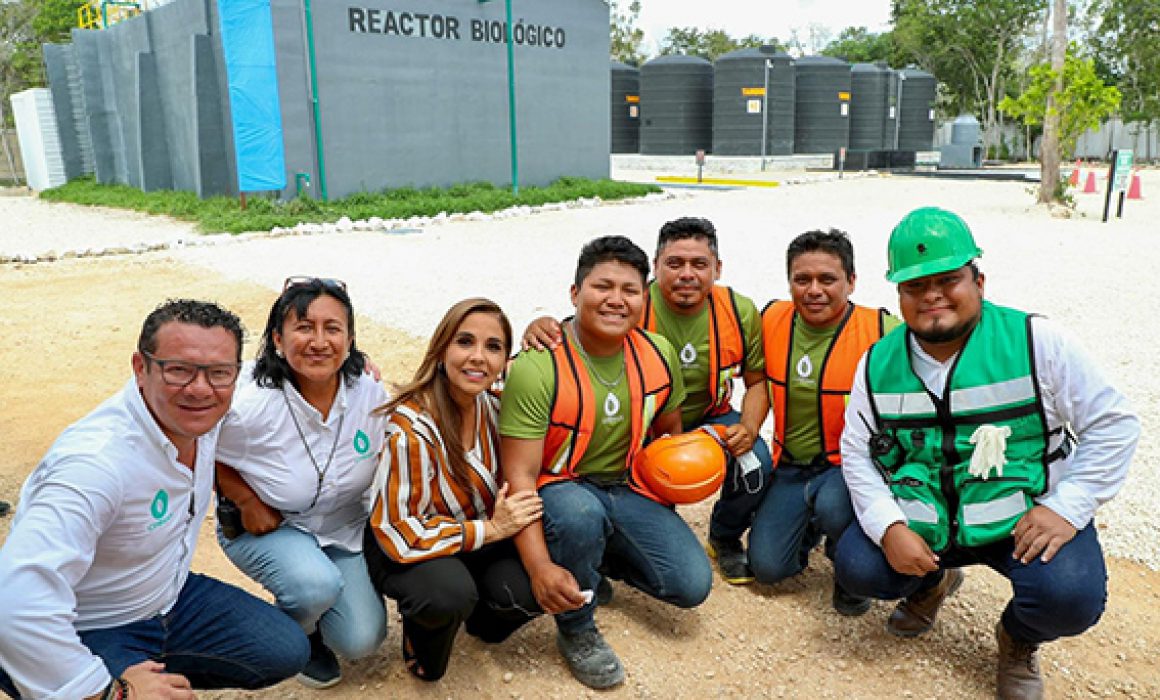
x=248, y=43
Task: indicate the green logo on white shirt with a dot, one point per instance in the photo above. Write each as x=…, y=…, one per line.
x=362, y=443
x=160, y=505
x=159, y=509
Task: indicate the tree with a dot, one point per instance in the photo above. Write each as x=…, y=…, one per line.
x=625, y=35
x=1082, y=104
x=1055, y=107
x=1125, y=41
x=970, y=46
x=24, y=26
x=709, y=44
x=858, y=45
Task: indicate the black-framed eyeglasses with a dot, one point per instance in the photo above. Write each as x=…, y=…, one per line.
x=220, y=375
x=303, y=281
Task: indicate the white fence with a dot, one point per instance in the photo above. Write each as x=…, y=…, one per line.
x=1143, y=139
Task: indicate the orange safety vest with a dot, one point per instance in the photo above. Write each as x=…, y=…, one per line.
x=860, y=328
x=573, y=415
x=726, y=345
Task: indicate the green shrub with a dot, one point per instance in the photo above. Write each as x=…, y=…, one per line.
x=263, y=212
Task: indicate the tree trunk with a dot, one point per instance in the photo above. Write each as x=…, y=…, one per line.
x=1049, y=147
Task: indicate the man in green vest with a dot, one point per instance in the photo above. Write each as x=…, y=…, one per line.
x=717, y=334
x=976, y=434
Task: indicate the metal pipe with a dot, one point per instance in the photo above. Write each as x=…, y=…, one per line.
x=512, y=102
x=898, y=109
x=311, y=67
x=765, y=116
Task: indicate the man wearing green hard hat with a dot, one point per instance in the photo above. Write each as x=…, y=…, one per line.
x=977, y=434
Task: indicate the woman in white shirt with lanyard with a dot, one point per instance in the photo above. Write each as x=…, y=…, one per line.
x=296, y=454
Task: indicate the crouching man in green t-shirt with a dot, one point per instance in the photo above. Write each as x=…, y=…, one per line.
x=572, y=421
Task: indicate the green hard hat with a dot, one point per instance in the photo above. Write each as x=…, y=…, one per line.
x=928, y=241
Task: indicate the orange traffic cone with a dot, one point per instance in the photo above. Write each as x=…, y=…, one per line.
x=1089, y=186
x=1134, y=188
x=1074, y=179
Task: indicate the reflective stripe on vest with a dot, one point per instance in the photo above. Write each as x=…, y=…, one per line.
x=991, y=382
x=858, y=330
x=979, y=398
x=726, y=343
x=573, y=412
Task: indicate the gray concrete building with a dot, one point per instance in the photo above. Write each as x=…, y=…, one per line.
x=375, y=94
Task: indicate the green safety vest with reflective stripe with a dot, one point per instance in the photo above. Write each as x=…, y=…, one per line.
x=926, y=453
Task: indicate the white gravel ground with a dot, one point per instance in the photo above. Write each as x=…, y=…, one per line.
x=1096, y=280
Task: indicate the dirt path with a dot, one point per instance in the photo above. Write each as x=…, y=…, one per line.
x=69, y=328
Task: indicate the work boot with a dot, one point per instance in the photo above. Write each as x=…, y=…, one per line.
x=915, y=614
x=603, y=591
x=322, y=671
x=590, y=659
x=848, y=604
x=1018, y=670
x=731, y=560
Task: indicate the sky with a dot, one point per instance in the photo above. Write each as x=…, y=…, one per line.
x=775, y=18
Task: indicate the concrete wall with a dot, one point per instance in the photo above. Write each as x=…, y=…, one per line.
x=1094, y=143
x=409, y=93
x=146, y=102
x=416, y=93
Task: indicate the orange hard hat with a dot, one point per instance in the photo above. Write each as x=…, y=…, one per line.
x=684, y=468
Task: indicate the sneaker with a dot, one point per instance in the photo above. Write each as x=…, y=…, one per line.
x=1018, y=671
x=603, y=591
x=731, y=560
x=590, y=659
x=915, y=614
x=322, y=671
x=848, y=604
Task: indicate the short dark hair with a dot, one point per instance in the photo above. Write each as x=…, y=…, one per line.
x=688, y=227
x=199, y=313
x=611, y=249
x=834, y=242
x=271, y=370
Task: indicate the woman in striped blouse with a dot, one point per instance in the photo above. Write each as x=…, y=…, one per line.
x=438, y=541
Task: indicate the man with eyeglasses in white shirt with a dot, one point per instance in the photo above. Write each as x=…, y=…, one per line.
x=94, y=574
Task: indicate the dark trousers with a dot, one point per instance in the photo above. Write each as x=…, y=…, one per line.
x=487, y=589
x=1059, y=599
x=216, y=635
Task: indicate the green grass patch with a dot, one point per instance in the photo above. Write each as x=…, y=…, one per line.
x=218, y=214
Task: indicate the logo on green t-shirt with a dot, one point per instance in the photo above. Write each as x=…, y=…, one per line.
x=688, y=355
x=611, y=405
x=805, y=368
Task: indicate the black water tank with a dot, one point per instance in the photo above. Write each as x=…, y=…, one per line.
x=916, y=110
x=822, y=118
x=625, y=108
x=739, y=84
x=676, y=106
x=871, y=102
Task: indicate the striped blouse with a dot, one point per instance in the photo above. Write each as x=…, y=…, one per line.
x=419, y=511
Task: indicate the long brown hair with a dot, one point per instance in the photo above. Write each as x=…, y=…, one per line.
x=429, y=387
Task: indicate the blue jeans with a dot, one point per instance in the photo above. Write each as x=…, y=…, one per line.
x=637, y=540
x=800, y=506
x=740, y=494
x=324, y=588
x=1062, y=598
x=216, y=635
